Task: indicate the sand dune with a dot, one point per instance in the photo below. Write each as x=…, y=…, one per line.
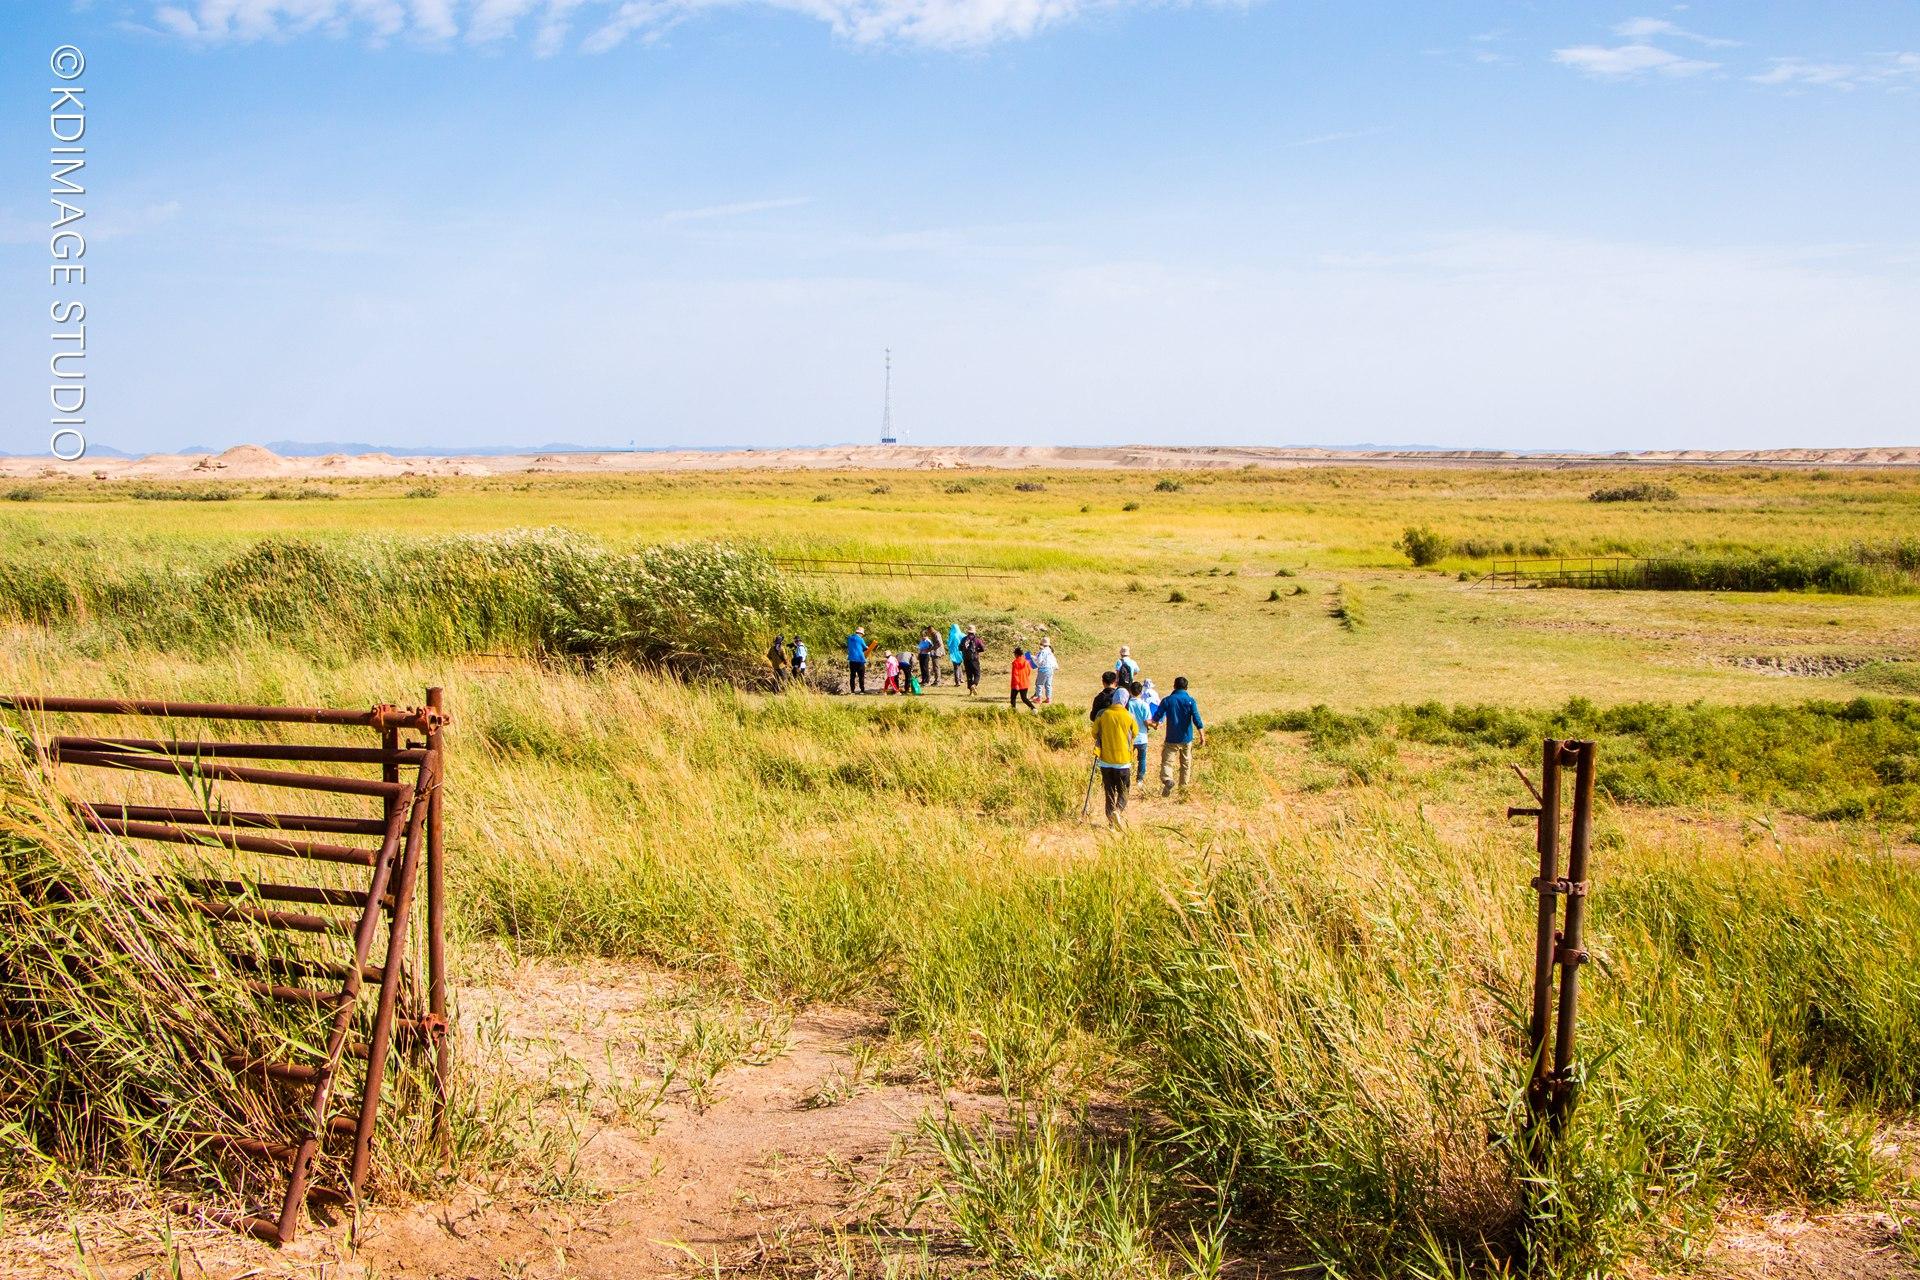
x=252, y=462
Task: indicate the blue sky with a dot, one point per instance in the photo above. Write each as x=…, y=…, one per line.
x=699, y=222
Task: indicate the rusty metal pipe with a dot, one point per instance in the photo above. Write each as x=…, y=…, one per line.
x=236, y=750
x=1547, y=845
x=376, y=717
x=237, y=773
x=1572, y=951
x=392, y=964
x=295, y=921
x=436, y=904
x=312, y=895
x=167, y=834
x=239, y=818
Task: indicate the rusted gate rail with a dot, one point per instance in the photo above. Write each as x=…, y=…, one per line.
x=885, y=568
x=1558, y=942
x=350, y=1049
x=1593, y=572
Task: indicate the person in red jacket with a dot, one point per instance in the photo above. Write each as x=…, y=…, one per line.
x=1022, y=681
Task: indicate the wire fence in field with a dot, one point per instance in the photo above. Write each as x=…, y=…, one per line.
x=885, y=568
x=1861, y=571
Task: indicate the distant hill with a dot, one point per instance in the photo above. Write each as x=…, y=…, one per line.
x=320, y=449
x=93, y=451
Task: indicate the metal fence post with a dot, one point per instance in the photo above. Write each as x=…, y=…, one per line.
x=1571, y=953
x=436, y=908
x=1547, y=845
x=1557, y=942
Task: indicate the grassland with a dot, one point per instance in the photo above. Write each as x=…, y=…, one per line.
x=1278, y=1021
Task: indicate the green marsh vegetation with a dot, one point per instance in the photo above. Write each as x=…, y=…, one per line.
x=1279, y=1020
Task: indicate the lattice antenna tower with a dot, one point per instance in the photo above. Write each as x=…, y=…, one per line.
x=887, y=435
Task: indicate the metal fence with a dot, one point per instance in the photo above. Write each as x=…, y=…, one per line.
x=1620, y=573
x=886, y=568
x=319, y=945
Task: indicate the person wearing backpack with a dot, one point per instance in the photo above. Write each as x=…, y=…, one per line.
x=971, y=647
x=1113, y=745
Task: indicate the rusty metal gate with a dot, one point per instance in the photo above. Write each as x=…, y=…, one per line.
x=351, y=934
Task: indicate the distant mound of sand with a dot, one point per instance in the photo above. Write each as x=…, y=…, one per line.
x=251, y=461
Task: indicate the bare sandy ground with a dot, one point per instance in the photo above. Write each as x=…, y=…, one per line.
x=252, y=462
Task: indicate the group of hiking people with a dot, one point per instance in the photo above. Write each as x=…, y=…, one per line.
x=955, y=656
x=1125, y=713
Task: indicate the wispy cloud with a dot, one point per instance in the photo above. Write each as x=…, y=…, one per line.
x=1647, y=28
x=605, y=24
x=1887, y=70
x=1344, y=135
x=1624, y=61
x=736, y=210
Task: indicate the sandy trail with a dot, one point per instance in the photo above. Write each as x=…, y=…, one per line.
x=791, y=1139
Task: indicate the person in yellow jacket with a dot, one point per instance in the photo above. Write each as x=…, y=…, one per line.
x=1113, y=731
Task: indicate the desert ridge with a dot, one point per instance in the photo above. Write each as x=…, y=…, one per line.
x=254, y=462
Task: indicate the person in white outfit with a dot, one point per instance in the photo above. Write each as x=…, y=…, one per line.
x=1044, y=665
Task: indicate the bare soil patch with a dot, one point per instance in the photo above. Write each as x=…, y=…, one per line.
x=678, y=1136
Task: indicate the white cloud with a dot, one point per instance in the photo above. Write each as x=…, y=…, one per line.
x=734, y=210
x=1889, y=70
x=1344, y=135
x=1614, y=62
x=1802, y=71
x=434, y=20
x=610, y=23
x=1646, y=28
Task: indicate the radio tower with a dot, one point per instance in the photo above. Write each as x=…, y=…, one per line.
x=886, y=406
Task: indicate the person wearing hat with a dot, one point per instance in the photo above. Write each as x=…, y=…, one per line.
x=777, y=655
x=857, y=661
x=1044, y=665
x=970, y=650
x=1125, y=667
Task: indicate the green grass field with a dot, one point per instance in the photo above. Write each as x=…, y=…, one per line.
x=1300, y=986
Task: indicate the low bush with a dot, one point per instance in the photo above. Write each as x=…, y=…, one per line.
x=1636, y=491
x=1424, y=546
x=697, y=608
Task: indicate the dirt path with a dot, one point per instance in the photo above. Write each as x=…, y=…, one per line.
x=665, y=1136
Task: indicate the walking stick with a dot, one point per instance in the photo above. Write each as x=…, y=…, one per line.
x=1093, y=772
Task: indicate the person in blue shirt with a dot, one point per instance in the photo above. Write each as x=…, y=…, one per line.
x=1181, y=714
x=857, y=661
x=1137, y=706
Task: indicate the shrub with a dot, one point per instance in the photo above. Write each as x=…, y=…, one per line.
x=22, y=493
x=1030, y=486
x=1129, y=506
x=696, y=608
x=179, y=493
x=1422, y=545
x=1176, y=597
x=1167, y=484
x=1637, y=491
x=423, y=491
